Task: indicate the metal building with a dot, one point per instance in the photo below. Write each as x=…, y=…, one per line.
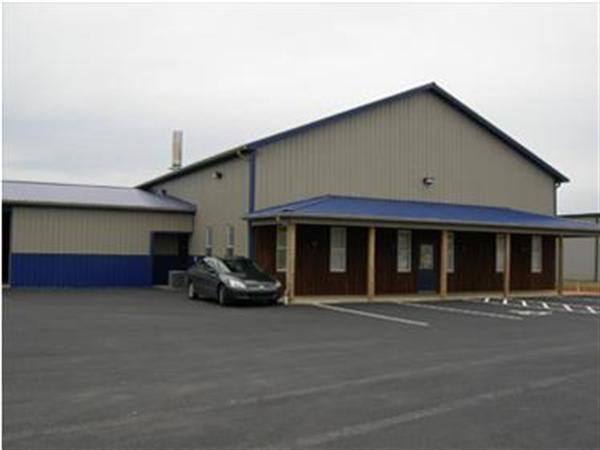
x=74, y=235
x=413, y=193
x=582, y=255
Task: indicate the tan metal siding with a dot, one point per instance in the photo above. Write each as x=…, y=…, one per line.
x=219, y=202
x=582, y=255
x=62, y=230
x=386, y=152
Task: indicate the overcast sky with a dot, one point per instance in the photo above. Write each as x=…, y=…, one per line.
x=92, y=92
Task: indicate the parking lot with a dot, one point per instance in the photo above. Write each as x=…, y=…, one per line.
x=151, y=369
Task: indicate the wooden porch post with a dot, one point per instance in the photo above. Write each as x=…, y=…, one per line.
x=506, y=280
x=444, y=264
x=560, y=269
x=290, y=273
x=371, y=264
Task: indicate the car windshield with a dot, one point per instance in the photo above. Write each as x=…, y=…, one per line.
x=217, y=265
x=246, y=266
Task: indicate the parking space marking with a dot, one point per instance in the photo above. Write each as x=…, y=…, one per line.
x=359, y=312
x=554, y=306
x=461, y=311
x=323, y=439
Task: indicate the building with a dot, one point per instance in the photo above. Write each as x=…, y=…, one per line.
x=582, y=255
x=414, y=193
x=72, y=235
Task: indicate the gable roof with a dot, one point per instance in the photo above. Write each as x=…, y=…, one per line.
x=430, y=87
x=89, y=196
x=431, y=213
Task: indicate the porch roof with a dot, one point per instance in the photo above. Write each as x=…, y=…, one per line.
x=419, y=212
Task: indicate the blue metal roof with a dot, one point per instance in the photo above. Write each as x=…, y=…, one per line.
x=377, y=209
x=89, y=196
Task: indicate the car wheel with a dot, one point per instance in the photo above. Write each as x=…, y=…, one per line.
x=221, y=295
x=192, y=291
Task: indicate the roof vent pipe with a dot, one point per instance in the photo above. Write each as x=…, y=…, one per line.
x=177, y=144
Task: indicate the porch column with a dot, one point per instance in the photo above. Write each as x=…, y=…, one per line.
x=506, y=280
x=290, y=261
x=560, y=268
x=444, y=263
x=371, y=264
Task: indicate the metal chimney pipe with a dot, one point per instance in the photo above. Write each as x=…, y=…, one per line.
x=177, y=144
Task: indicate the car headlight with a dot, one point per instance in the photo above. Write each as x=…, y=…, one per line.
x=235, y=284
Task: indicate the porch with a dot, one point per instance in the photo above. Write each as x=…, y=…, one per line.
x=372, y=248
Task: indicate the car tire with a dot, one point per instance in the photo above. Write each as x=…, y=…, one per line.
x=192, y=291
x=221, y=295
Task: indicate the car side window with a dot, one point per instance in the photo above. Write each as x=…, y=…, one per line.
x=201, y=266
x=211, y=265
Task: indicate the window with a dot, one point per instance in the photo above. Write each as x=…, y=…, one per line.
x=208, y=241
x=536, y=254
x=500, y=252
x=230, y=240
x=281, y=250
x=450, y=262
x=404, y=252
x=337, y=249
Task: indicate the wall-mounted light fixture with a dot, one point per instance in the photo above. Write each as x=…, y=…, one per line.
x=217, y=175
x=428, y=181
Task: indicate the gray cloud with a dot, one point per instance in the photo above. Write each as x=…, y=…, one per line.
x=92, y=92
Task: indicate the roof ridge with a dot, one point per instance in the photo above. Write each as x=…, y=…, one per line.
x=56, y=183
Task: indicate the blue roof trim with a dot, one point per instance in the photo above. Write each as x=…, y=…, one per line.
x=429, y=87
x=367, y=208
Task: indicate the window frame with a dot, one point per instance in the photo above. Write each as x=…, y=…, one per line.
x=408, y=249
x=208, y=240
x=229, y=240
x=281, y=231
x=339, y=250
x=451, y=253
x=537, y=256
x=500, y=252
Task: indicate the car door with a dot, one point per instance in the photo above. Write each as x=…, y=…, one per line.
x=202, y=278
x=211, y=279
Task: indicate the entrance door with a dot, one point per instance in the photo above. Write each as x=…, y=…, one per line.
x=169, y=252
x=426, y=270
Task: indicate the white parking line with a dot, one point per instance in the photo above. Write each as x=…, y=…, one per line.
x=592, y=310
x=524, y=303
x=461, y=311
x=545, y=305
x=505, y=301
x=371, y=315
x=567, y=307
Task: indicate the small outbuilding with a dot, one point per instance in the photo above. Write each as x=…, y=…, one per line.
x=78, y=235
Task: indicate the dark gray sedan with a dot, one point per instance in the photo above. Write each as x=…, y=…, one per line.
x=231, y=279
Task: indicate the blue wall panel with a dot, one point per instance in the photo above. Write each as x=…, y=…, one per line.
x=80, y=270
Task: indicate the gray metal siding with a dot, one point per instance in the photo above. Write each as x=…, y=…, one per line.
x=582, y=256
x=62, y=230
x=386, y=152
x=219, y=202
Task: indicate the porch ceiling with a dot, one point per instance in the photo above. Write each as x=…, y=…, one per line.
x=419, y=213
